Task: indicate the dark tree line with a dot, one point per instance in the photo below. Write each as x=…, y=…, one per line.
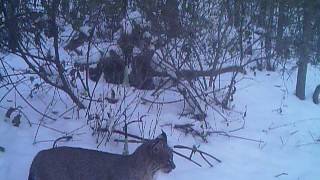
x=188, y=43
x=290, y=30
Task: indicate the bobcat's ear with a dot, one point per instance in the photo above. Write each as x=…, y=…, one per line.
x=162, y=136
x=159, y=143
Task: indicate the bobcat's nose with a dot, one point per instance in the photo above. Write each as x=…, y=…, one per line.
x=173, y=166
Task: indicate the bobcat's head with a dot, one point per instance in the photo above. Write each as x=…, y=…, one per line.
x=157, y=154
x=161, y=154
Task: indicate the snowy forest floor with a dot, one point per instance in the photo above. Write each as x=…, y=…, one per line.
x=288, y=128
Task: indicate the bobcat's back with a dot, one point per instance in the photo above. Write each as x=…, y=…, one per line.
x=65, y=163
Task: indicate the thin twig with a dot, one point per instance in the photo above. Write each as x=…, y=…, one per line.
x=67, y=138
x=129, y=141
x=237, y=137
x=186, y=157
x=281, y=174
x=53, y=129
x=164, y=102
x=197, y=150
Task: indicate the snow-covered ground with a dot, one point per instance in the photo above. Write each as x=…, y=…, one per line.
x=288, y=129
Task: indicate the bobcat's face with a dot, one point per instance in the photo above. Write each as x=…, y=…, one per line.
x=162, y=154
x=167, y=164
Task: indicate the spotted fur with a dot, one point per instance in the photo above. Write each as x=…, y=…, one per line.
x=67, y=163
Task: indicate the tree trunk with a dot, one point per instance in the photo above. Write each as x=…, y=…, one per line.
x=301, y=79
x=268, y=36
x=237, y=13
x=280, y=28
x=304, y=54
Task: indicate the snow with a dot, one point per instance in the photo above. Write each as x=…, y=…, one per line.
x=86, y=30
x=286, y=126
x=134, y=16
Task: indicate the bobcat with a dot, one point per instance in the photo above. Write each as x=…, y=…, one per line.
x=67, y=163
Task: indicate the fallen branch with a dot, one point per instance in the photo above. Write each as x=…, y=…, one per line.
x=192, y=74
x=194, y=150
